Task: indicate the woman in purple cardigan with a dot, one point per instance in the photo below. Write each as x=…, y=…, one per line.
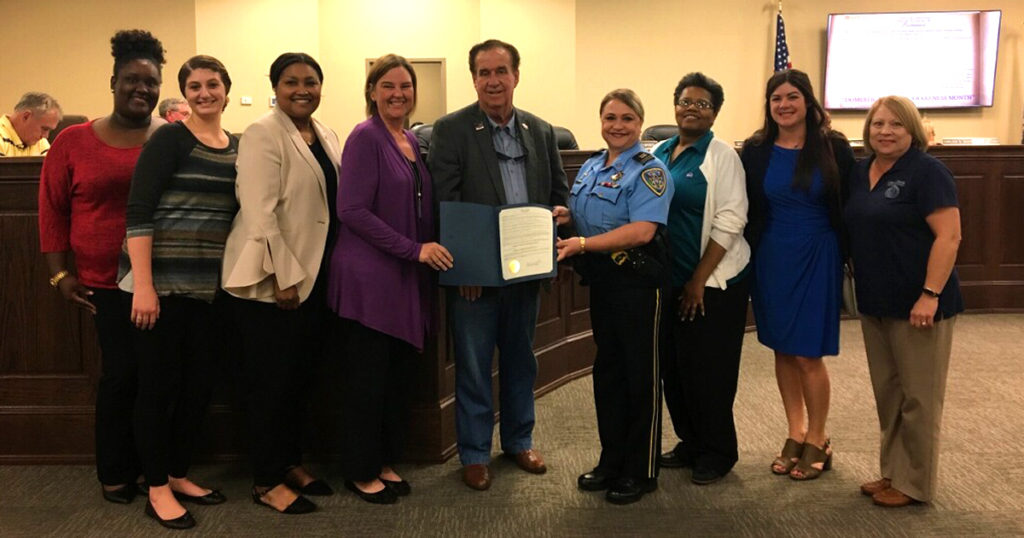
x=380, y=282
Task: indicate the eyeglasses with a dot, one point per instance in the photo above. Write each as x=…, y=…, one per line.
x=701, y=104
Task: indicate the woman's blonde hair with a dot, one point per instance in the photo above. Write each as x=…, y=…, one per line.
x=628, y=97
x=905, y=111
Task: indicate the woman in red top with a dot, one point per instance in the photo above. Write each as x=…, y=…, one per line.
x=83, y=195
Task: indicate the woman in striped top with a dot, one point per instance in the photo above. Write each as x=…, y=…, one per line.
x=180, y=208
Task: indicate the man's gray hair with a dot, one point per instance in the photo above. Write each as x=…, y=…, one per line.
x=168, y=104
x=38, y=103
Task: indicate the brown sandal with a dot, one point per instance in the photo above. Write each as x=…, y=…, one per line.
x=811, y=456
x=787, y=459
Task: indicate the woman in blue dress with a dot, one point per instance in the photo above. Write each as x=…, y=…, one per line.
x=795, y=166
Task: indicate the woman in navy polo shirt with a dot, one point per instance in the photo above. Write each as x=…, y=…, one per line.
x=904, y=228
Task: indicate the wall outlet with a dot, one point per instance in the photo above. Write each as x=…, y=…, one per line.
x=246, y=100
x=272, y=102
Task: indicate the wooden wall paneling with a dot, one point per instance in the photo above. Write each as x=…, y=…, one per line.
x=976, y=222
x=47, y=369
x=1011, y=225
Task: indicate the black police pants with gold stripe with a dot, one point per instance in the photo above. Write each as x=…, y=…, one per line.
x=627, y=388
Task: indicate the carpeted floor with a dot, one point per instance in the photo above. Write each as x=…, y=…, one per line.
x=981, y=491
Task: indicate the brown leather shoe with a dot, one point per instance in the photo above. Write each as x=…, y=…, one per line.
x=892, y=498
x=477, y=476
x=871, y=488
x=530, y=461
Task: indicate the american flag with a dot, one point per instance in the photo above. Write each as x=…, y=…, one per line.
x=781, y=49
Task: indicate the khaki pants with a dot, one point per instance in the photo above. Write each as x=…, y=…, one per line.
x=908, y=373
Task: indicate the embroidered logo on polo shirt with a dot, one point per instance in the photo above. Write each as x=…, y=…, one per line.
x=892, y=188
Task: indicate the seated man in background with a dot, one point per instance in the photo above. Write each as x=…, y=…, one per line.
x=173, y=109
x=23, y=133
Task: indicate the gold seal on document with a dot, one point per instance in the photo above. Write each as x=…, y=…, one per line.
x=514, y=266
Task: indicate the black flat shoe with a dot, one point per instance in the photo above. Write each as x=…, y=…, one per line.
x=703, y=476
x=630, y=490
x=384, y=496
x=595, y=480
x=401, y=488
x=316, y=487
x=674, y=459
x=211, y=498
x=184, y=521
x=121, y=495
x=142, y=487
x=300, y=505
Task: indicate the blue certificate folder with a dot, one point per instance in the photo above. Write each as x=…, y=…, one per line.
x=470, y=233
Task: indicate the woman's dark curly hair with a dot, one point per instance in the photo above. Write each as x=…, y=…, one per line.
x=128, y=45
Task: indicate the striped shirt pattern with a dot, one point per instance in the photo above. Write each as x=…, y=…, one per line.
x=183, y=195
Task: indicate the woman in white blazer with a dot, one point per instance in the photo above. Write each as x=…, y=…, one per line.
x=275, y=266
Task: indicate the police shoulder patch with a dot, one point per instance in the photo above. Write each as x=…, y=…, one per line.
x=643, y=157
x=655, y=180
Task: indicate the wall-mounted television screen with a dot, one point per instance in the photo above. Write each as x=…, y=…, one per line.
x=941, y=59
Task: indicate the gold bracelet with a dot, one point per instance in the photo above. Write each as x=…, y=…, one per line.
x=55, y=279
x=583, y=244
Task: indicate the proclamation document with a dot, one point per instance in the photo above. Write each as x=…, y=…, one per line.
x=527, y=241
x=496, y=246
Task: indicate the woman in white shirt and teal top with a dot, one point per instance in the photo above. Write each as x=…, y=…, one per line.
x=709, y=283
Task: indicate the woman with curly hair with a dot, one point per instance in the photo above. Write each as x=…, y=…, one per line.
x=83, y=194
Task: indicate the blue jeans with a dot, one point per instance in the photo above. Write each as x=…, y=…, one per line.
x=506, y=318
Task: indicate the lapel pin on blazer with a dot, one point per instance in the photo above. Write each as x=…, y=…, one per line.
x=479, y=126
x=525, y=126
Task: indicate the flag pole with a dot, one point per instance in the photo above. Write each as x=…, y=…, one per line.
x=782, y=58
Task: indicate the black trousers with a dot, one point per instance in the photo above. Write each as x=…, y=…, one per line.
x=281, y=353
x=700, y=371
x=117, y=459
x=375, y=374
x=176, y=374
x=627, y=388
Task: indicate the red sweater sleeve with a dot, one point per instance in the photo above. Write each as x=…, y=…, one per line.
x=55, y=200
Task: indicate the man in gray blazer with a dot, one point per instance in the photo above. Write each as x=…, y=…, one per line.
x=492, y=153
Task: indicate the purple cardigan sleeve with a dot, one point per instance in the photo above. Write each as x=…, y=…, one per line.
x=362, y=167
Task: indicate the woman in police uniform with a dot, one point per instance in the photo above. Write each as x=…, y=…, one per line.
x=619, y=205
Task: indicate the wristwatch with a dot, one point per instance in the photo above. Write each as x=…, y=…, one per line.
x=929, y=292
